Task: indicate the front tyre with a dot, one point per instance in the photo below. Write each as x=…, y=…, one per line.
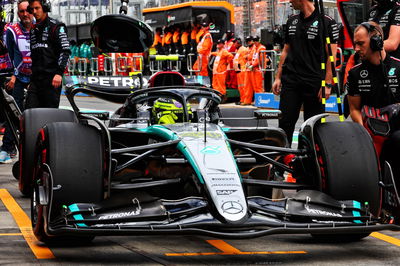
x=349, y=167
x=31, y=122
x=69, y=158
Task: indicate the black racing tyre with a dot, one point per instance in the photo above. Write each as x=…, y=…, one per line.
x=31, y=122
x=348, y=163
x=348, y=166
x=76, y=165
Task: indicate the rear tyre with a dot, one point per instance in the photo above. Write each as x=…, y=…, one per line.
x=348, y=166
x=76, y=166
x=31, y=122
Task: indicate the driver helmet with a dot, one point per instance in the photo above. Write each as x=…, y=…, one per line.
x=169, y=111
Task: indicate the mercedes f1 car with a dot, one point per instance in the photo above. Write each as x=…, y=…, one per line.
x=172, y=161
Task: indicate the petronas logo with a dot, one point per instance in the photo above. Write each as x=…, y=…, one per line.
x=315, y=24
x=391, y=71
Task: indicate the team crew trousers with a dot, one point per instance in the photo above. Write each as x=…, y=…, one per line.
x=291, y=100
x=42, y=94
x=390, y=153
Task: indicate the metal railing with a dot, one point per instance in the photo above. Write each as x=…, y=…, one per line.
x=190, y=64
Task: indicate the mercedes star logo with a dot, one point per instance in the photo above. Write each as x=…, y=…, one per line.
x=232, y=207
x=364, y=73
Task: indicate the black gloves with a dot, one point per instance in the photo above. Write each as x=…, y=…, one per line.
x=392, y=110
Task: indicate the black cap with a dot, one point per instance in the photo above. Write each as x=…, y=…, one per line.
x=238, y=40
x=256, y=38
x=204, y=24
x=249, y=38
x=220, y=41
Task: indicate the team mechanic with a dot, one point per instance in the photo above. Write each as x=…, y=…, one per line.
x=50, y=52
x=298, y=79
x=376, y=83
x=387, y=14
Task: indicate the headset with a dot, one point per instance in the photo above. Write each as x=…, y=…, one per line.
x=376, y=41
x=46, y=5
x=376, y=44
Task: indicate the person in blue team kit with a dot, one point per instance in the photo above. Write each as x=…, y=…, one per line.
x=18, y=44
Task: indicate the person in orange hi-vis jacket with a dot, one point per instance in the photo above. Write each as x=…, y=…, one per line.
x=200, y=33
x=176, y=40
x=259, y=61
x=239, y=66
x=193, y=33
x=203, y=50
x=231, y=78
x=230, y=40
x=248, y=84
x=222, y=59
x=256, y=75
x=185, y=41
x=157, y=44
x=167, y=40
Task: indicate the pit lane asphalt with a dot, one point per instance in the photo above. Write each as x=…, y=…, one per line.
x=178, y=250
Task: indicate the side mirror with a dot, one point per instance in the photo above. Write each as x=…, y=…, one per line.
x=268, y=114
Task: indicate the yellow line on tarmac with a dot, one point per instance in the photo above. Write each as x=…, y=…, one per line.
x=224, y=247
x=230, y=250
x=24, y=224
x=386, y=238
x=11, y=234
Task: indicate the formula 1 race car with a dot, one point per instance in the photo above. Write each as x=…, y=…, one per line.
x=172, y=161
x=163, y=166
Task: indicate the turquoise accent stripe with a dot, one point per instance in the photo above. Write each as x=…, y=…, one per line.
x=82, y=225
x=75, y=79
x=357, y=205
x=160, y=131
x=73, y=208
x=357, y=214
x=79, y=217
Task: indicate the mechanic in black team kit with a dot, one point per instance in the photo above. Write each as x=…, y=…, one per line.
x=298, y=79
x=387, y=14
x=376, y=83
x=50, y=52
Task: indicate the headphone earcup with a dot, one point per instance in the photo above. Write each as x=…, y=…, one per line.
x=376, y=43
x=46, y=6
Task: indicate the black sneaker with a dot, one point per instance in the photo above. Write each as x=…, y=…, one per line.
x=13, y=153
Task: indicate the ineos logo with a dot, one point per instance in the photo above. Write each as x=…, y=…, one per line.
x=232, y=207
x=364, y=73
